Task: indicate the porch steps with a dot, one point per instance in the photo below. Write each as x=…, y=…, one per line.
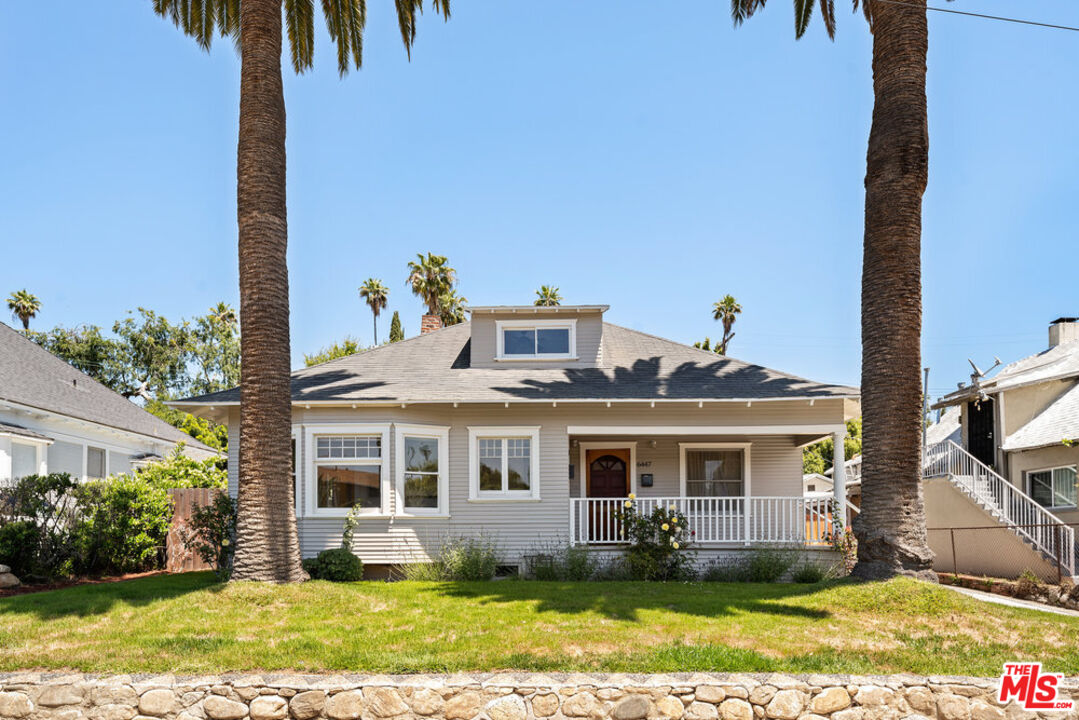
x=1005, y=503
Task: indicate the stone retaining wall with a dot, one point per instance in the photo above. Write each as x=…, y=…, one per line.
x=504, y=696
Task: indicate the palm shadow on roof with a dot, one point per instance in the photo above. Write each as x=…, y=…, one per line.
x=333, y=384
x=721, y=379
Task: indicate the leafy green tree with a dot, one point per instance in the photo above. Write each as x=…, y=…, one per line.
x=547, y=296
x=432, y=280
x=817, y=458
x=205, y=431
x=179, y=471
x=24, y=305
x=215, y=351
x=706, y=344
x=376, y=295
x=892, y=538
x=155, y=355
x=267, y=544
x=86, y=349
x=348, y=346
x=397, y=333
x=726, y=311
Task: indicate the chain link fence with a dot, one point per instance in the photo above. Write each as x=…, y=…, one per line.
x=997, y=551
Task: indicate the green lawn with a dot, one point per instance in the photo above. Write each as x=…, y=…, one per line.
x=190, y=624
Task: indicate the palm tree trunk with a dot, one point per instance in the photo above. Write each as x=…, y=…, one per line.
x=891, y=527
x=267, y=547
x=376, y=329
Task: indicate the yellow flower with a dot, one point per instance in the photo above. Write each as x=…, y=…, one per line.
x=665, y=527
x=627, y=503
x=633, y=496
x=674, y=520
x=671, y=508
x=674, y=545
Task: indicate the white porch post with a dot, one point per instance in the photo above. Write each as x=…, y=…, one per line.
x=839, y=475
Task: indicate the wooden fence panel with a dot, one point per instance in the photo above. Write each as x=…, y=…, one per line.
x=178, y=557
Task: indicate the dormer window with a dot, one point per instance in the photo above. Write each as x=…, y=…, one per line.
x=537, y=339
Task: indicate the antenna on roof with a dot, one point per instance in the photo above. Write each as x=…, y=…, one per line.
x=978, y=374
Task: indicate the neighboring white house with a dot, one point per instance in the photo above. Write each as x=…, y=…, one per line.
x=54, y=418
x=1002, y=453
x=533, y=425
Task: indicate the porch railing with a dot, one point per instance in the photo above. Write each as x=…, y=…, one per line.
x=753, y=520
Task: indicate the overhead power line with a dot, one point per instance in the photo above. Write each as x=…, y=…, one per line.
x=1001, y=18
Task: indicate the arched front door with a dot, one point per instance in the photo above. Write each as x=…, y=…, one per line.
x=607, y=478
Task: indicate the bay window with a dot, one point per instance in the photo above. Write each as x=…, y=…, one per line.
x=422, y=469
x=504, y=463
x=1054, y=487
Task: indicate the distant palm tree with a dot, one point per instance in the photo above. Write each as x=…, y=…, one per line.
x=890, y=526
x=24, y=305
x=431, y=278
x=377, y=295
x=726, y=311
x=547, y=296
x=451, y=307
x=267, y=546
x=223, y=313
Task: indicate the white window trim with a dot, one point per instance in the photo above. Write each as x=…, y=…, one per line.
x=311, y=473
x=744, y=447
x=7, y=454
x=1030, y=484
x=609, y=445
x=297, y=487
x=501, y=325
x=475, y=432
x=442, y=434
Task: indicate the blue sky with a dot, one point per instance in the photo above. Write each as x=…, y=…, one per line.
x=634, y=153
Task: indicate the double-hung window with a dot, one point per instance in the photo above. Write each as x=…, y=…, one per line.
x=422, y=469
x=347, y=469
x=715, y=469
x=1054, y=487
x=504, y=463
x=536, y=339
x=95, y=463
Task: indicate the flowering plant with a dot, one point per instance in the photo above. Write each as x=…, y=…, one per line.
x=658, y=541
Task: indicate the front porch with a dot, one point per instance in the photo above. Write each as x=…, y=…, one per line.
x=736, y=487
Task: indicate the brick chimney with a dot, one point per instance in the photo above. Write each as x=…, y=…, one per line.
x=430, y=323
x=1062, y=330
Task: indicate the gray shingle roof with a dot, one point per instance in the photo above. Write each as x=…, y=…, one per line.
x=1051, y=426
x=636, y=366
x=9, y=429
x=1055, y=363
x=32, y=376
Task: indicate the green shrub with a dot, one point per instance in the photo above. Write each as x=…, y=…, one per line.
x=468, y=559
x=37, y=516
x=760, y=566
x=211, y=533
x=179, y=471
x=658, y=543
x=809, y=573
x=123, y=524
x=572, y=563
x=726, y=572
x=422, y=572
x=335, y=565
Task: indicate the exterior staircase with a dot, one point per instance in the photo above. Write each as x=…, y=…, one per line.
x=1007, y=504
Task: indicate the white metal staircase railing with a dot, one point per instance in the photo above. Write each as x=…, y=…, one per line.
x=1007, y=503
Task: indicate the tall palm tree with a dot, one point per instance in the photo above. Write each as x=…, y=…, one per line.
x=547, y=296
x=267, y=547
x=377, y=296
x=891, y=526
x=431, y=277
x=24, y=305
x=726, y=311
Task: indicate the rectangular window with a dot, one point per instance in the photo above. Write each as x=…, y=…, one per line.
x=95, y=463
x=23, y=460
x=714, y=472
x=504, y=463
x=536, y=339
x=348, y=470
x=421, y=469
x=1054, y=487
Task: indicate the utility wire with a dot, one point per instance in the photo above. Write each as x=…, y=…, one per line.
x=980, y=15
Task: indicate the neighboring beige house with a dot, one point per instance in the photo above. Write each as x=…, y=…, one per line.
x=54, y=418
x=1006, y=446
x=533, y=425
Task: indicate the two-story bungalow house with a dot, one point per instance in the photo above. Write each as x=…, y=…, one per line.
x=533, y=425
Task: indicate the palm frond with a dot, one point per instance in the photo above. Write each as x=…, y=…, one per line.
x=867, y=11
x=299, y=24
x=202, y=19
x=827, y=13
x=803, y=11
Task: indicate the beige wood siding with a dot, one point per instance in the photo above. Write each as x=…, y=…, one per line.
x=484, y=345
x=519, y=527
